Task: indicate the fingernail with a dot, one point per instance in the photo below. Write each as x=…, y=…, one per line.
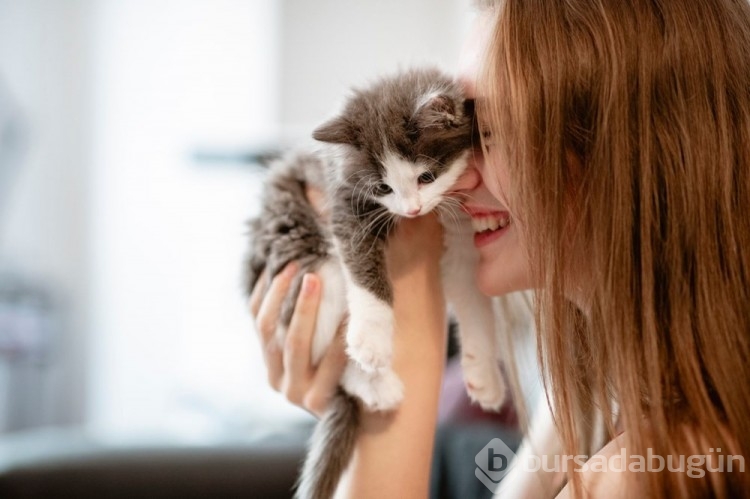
x=290, y=269
x=309, y=284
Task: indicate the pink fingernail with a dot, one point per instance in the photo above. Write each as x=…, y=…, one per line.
x=309, y=284
x=290, y=269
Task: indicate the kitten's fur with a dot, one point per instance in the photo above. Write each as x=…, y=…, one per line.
x=400, y=146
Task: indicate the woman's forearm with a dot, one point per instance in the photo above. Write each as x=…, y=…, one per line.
x=393, y=452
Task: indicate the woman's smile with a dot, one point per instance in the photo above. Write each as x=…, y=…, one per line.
x=488, y=224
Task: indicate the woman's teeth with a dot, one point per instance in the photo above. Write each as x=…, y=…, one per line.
x=490, y=222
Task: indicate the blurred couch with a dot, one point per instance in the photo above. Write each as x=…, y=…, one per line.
x=69, y=464
x=45, y=464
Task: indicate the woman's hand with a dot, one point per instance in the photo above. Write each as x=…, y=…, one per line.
x=415, y=246
x=387, y=440
x=413, y=255
x=289, y=366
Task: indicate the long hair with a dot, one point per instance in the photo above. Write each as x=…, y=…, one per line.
x=625, y=126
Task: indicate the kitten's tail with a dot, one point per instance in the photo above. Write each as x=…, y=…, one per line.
x=330, y=448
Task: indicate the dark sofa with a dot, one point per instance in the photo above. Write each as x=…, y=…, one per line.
x=69, y=464
x=51, y=464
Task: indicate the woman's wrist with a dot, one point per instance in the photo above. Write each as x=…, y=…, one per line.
x=419, y=291
x=399, y=444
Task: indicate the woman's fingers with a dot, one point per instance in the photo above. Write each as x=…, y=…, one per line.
x=259, y=291
x=267, y=319
x=298, y=368
x=289, y=366
x=328, y=375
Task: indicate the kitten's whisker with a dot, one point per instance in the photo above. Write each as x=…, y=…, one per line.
x=450, y=216
x=369, y=186
x=370, y=191
x=462, y=196
x=390, y=224
x=386, y=226
x=363, y=194
x=382, y=221
x=377, y=212
x=454, y=206
x=447, y=198
x=358, y=191
x=346, y=180
x=339, y=184
x=365, y=230
x=452, y=202
x=432, y=159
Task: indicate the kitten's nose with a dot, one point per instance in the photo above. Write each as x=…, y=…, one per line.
x=414, y=212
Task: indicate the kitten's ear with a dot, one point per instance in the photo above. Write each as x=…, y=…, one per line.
x=337, y=130
x=437, y=110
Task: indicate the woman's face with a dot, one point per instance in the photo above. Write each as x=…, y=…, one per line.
x=503, y=265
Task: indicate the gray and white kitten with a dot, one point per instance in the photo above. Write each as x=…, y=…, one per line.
x=397, y=148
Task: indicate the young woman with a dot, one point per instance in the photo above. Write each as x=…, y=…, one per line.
x=617, y=138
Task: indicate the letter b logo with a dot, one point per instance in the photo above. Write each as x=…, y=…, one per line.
x=493, y=463
x=496, y=462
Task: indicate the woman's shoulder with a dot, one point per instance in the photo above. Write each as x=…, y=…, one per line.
x=611, y=472
x=604, y=475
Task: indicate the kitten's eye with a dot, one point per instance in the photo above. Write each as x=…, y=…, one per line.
x=426, y=178
x=384, y=189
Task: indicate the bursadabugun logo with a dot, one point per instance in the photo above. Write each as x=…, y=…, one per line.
x=496, y=459
x=493, y=463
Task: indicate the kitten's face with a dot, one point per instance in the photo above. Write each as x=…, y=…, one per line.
x=408, y=140
x=412, y=188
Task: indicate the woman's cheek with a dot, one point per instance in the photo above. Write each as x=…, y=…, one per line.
x=494, y=278
x=486, y=283
x=504, y=268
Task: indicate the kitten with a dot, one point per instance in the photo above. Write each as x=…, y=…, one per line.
x=398, y=147
x=288, y=229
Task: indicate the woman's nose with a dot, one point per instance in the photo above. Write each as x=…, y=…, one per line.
x=469, y=179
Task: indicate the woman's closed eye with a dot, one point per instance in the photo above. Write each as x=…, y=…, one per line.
x=487, y=139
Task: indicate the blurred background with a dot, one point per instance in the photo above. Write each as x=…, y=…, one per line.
x=129, y=133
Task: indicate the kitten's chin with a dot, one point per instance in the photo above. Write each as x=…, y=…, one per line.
x=426, y=209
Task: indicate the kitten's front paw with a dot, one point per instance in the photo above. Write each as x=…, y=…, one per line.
x=379, y=391
x=484, y=382
x=370, y=342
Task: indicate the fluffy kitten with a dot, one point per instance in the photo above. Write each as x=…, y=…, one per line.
x=399, y=146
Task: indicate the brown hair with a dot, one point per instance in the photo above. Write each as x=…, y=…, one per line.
x=626, y=128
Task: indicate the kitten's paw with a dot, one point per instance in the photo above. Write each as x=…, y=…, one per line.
x=379, y=391
x=370, y=342
x=384, y=393
x=484, y=382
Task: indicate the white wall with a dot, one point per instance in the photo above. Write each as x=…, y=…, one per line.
x=330, y=45
x=172, y=344
x=44, y=61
